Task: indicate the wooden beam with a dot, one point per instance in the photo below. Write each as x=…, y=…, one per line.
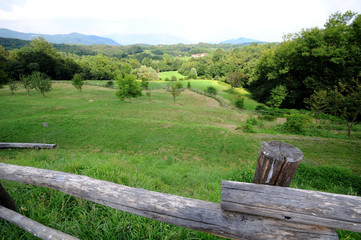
x=35, y=228
x=277, y=163
x=26, y=145
x=293, y=205
x=5, y=199
x=186, y=212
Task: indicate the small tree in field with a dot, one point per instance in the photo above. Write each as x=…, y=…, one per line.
x=27, y=83
x=193, y=74
x=13, y=86
x=344, y=101
x=175, y=90
x=236, y=79
x=77, y=82
x=41, y=82
x=278, y=94
x=128, y=87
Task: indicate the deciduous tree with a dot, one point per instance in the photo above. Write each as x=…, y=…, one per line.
x=128, y=87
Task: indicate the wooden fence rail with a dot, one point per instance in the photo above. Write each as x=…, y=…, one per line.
x=246, y=211
x=186, y=212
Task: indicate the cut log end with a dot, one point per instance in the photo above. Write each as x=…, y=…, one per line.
x=277, y=163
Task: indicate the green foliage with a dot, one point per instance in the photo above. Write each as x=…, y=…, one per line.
x=343, y=101
x=27, y=83
x=238, y=101
x=109, y=84
x=312, y=60
x=211, y=90
x=146, y=73
x=189, y=85
x=175, y=89
x=267, y=117
x=77, y=82
x=41, y=82
x=278, y=94
x=3, y=78
x=128, y=87
x=173, y=78
x=236, y=79
x=296, y=123
x=193, y=74
x=13, y=86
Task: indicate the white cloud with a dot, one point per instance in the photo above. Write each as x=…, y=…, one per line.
x=196, y=20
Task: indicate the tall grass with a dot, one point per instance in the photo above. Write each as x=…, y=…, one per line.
x=184, y=149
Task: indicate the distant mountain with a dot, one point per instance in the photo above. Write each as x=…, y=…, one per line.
x=150, y=39
x=241, y=41
x=71, y=38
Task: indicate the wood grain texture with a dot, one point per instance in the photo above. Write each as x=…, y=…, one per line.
x=293, y=205
x=277, y=163
x=26, y=145
x=33, y=227
x=186, y=212
x=5, y=199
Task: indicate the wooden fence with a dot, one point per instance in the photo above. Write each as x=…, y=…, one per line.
x=266, y=209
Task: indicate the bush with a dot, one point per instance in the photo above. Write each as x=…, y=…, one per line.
x=189, y=85
x=77, y=82
x=13, y=86
x=261, y=108
x=297, y=122
x=109, y=84
x=179, y=85
x=173, y=78
x=267, y=117
x=181, y=79
x=166, y=79
x=211, y=90
x=239, y=102
x=41, y=82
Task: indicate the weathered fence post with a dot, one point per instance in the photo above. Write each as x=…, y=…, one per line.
x=6, y=200
x=277, y=163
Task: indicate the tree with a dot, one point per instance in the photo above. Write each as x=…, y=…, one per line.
x=13, y=86
x=278, y=94
x=236, y=79
x=317, y=103
x=193, y=74
x=128, y=87
x=77, y=82
x=41, y=82
x=27, y=83
x=146, y=73
x=344, y=101
x=175, y=89
x=3, y=78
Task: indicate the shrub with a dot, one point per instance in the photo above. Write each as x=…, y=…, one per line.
x=179, y=85
x=109, y=84
x=296, y=122
x=77, y=82
x=211, y=90
x=181, y=79
x=13, y=86
x=261, y=107
x=26, y=81
x=239, y=102
x=267, y=117
x=166, y=79
x=189, y=85
x=41, y=82
x=173, y=78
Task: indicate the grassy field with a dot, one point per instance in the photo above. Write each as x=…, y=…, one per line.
x=185, y=149
x=164, y=75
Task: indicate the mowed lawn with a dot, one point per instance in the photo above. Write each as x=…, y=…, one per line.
x=185, y=149
x=165, y=75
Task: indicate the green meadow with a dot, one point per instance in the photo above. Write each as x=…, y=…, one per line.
x=169, y=74
x=184, y=148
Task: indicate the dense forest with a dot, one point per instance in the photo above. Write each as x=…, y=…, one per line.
x=312, y=60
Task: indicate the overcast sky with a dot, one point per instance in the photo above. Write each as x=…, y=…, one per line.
x=195, y=20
